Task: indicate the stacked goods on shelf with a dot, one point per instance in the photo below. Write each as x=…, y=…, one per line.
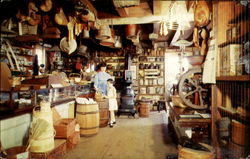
x=231, y=54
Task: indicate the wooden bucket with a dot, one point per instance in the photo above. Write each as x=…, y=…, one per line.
x=223, y=127
x=14, y=152
x=104, y=112
x=131, y=31
x=103, y=33
x=87, y=115
x=240, y=133
x=237, y=151
x=144, y=108
x=187, y=153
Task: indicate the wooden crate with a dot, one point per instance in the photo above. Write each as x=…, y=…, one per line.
x=56, y=153
x=73, y=140
x=64, y=127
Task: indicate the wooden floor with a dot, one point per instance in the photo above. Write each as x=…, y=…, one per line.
x=141, y=138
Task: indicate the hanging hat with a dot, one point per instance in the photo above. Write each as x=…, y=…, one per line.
x=182, y=43
x=68, y=46
x=82, y=49
x=51, y=33
x=60, y=18
x=46, y=5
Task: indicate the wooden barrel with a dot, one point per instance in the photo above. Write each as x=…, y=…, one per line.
x=223, y=127
x=104, y=112
x=144, y=108
x=187, y=153
x=87, y=115
x=240, y=133
x=237, y=151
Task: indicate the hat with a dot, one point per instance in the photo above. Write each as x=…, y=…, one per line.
x=46, y=5
x=68, y=46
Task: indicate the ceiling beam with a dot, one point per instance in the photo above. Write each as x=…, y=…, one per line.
x=132, y=20
x=123, y=12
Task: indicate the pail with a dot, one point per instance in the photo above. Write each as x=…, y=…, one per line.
x=144, y=108
x=87, y=115
x=240, y=133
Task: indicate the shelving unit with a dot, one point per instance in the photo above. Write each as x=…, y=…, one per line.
x=151, y=83
x=231, y=93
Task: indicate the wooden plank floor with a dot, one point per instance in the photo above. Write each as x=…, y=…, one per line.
x=142, y=138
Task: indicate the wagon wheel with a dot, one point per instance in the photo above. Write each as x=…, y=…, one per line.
x=191, y=90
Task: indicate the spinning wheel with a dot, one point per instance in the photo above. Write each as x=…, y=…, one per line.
x=192, y=91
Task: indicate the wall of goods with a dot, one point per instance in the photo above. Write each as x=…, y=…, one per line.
x=230, y=95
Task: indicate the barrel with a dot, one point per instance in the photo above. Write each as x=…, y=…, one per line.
x=144, y=108
x=240, y=133
x=237, y=151
x=104, y=112
x=41, y=137
x=187, y=153
x=87, y=115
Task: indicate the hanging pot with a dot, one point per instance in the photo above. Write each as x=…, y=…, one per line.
x=46, y=5
x=131, y=31
x=103, y=33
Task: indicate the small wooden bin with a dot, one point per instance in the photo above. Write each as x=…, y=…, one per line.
x=56, y=153
x=64, y=127
x=73, y=140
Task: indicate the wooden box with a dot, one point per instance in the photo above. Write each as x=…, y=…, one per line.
x=64, y=127
x=73, y=140
x=56, y=153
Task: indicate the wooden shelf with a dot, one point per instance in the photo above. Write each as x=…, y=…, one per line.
x=151, y=94
x=152, y=85
x=244, y=16
x=233, y=114
x=25, y=55
x=160, y=62
x=234, y=78
x=236, y=40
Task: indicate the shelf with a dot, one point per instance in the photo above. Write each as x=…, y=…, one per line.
x=151, y=94
x=236, y=40
x=152, y=85
x=116, y=62
x=25, y=55
x=234, y=78
x=233, y=114
x=152, y=62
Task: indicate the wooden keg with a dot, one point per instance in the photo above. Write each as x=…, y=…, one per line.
x=87, y=115
x=104, y=112
x=103, y=33
x=144, y=108
x=131, y=31
x=187, y=153
x=240, y=133
x=237, y=151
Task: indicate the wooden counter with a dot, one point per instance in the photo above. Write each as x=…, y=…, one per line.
x=183, y=119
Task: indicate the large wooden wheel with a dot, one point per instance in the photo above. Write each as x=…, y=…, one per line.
x=191, y=89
